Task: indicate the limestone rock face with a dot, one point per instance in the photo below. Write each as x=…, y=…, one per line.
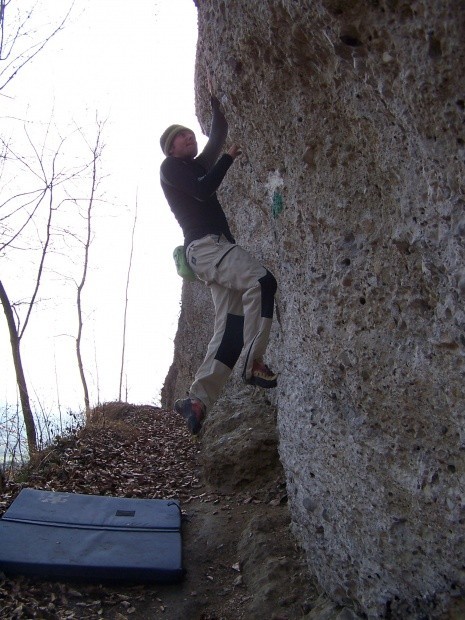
x=351, y=190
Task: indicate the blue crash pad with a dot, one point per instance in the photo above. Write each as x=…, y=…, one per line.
x=74, y=536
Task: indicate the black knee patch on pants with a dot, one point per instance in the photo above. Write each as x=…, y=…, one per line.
x=232, y=342
x=269, y=286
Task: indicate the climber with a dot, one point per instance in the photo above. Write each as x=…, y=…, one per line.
x=242, y=289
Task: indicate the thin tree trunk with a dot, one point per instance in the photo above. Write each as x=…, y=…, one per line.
x=126, y=308
x=20, y=378
x=79, y=354
x=44, y=253
x=96, y=151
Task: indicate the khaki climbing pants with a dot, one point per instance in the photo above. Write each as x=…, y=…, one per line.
x=243, y=295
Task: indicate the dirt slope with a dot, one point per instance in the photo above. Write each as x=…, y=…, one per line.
x=240, y=557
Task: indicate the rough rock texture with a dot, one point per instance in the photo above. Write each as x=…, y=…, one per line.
x=351, y=114
x=241, y=428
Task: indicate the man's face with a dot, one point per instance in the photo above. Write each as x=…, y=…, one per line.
x=184, y=145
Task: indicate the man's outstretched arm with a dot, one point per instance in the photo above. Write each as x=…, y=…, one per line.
x=217, y=137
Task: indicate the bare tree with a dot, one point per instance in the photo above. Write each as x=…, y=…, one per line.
x=18, y=45
x=40, y=207
x=23, y=221
x=15, y=340
x=96, y=150
x=126, y=301
x=15, y=329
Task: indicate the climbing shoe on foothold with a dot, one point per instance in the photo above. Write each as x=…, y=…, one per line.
x=262, y=376
x=193, y=411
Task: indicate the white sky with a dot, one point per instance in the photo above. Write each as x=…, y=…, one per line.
x=134, y=64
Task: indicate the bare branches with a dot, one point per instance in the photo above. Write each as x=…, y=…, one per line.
x=18, y=46
x=41, y=262
x=40, y=167
x=41, y=204
x=38, y=209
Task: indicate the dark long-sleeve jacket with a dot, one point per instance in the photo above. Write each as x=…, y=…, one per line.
x=190, y=185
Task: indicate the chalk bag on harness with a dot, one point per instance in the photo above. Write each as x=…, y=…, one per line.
x=182, y=266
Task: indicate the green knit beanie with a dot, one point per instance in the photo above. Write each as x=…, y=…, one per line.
x=169, y=135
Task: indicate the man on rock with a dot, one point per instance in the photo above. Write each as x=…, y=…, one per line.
x=242, y=289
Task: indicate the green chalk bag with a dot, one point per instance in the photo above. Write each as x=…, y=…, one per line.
x=182, y=266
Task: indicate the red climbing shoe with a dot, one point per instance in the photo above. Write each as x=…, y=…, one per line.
x=262, y=376
x=193, y=411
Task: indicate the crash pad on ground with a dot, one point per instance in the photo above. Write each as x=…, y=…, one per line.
x=75, y=536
